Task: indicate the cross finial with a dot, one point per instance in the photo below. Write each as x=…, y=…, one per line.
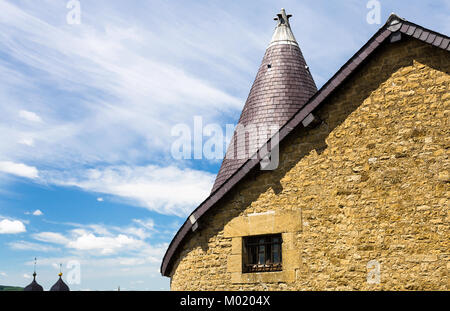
x=34, y=272
x=283, y=18
x=283, y=33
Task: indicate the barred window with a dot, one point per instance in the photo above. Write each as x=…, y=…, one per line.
x=262, y=253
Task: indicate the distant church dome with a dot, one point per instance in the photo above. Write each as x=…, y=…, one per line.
x=33, y=286
x=60, y=286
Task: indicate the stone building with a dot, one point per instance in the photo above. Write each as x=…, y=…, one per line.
x=360, y=194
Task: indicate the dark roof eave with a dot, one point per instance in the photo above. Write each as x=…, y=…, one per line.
x=404, y=26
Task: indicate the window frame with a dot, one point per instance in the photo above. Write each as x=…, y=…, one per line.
x=259, y=253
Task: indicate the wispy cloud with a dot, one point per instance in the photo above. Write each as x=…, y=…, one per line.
x=35, y=213
x=106, y=245
x=99, y=239
x=27, y=141
x=168, y=190
x=30, y=116
x=51, y=237
x=123, y=93
x=30, y=246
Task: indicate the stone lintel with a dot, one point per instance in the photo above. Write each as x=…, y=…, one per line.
x=264, y=223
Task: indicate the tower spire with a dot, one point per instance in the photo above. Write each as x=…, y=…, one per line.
x=34, y=286
x=34, y=270
x=282, y=86
x=60, y=286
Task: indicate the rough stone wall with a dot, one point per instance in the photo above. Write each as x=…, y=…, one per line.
x=371, y=183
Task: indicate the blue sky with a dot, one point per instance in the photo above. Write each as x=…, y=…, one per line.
x=86, y=171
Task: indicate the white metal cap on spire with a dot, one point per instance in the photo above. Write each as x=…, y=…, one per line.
x=283, y=33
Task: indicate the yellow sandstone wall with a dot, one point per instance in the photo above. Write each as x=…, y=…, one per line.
x=370, y=183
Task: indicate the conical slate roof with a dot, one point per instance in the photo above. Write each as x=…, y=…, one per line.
x=60, y=286
x=282, y=86
x=33, y=286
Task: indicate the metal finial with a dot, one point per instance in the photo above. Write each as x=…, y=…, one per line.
x=283, y=18
x=283, y=33
x=34, y=272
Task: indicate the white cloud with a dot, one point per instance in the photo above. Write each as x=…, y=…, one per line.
x=38, y=213
x=11, y=226
x=51, y=237
x=27, y=142
x=106, y=245
x=147, y=223
x=100, y=199
x=19, y=169
x=98, y=239
x=30, y=116
x=29, y=246
x=167, y=190
x=138, y=232
x=27, y=276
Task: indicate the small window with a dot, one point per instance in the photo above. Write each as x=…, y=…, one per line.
x=262, y=253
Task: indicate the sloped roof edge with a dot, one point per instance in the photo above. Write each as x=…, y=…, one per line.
x=394, y=24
